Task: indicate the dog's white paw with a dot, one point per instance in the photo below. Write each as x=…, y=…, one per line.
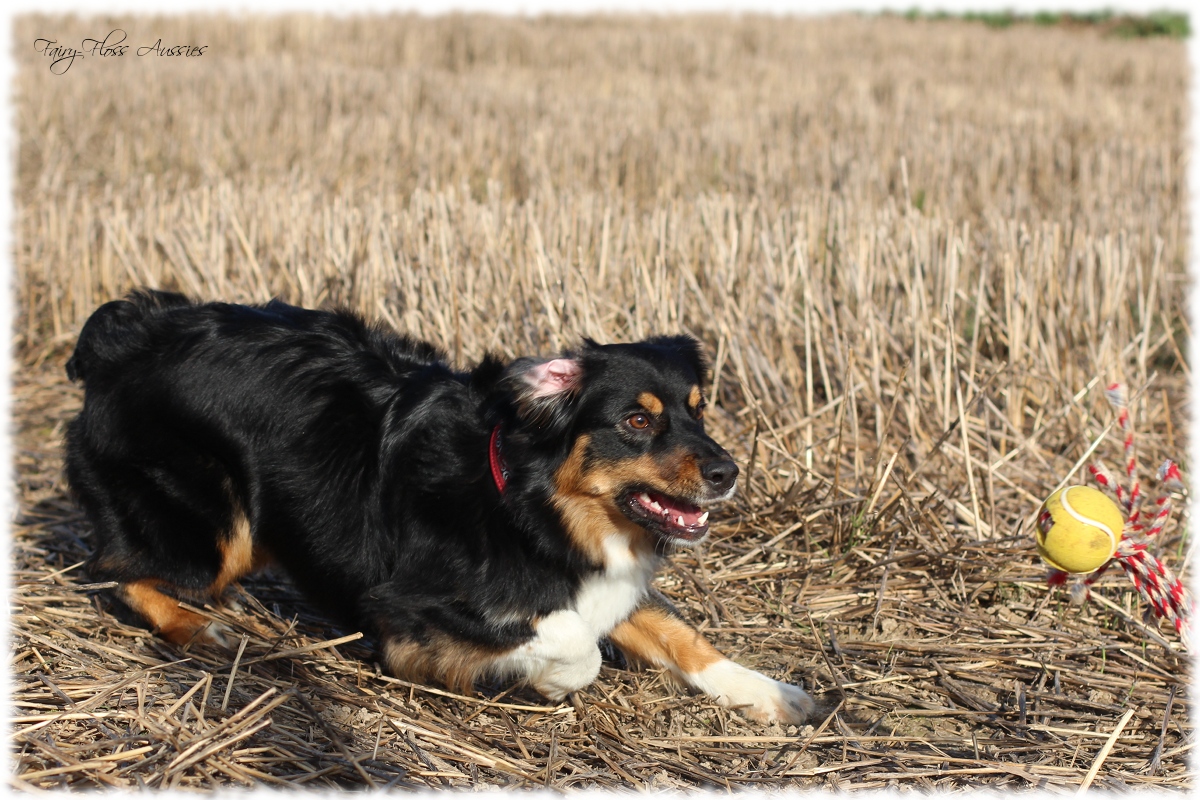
x=760, y=698
x=562, y=657
x=216, y=633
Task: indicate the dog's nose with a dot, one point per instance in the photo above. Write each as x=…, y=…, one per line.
x=720, y=474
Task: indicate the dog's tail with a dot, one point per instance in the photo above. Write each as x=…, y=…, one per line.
x=118, y=329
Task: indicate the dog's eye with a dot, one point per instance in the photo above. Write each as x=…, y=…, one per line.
x=639, y=421
x=700, y=409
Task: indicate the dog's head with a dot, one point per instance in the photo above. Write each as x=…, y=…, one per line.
x=628, y=422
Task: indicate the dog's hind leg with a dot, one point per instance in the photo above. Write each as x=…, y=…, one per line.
x=170, y=620
x=164, y=528
x=238, y=557
x=240, y=554
x=454, y=663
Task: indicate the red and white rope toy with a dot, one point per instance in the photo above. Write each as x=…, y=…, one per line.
x=1153, y=579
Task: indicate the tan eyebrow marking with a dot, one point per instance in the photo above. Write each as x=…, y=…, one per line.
x=650, y=402
x=694, y=398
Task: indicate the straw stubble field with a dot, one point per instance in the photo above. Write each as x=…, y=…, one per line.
x=916, y=251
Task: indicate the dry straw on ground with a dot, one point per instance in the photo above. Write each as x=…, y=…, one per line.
x=916, y=252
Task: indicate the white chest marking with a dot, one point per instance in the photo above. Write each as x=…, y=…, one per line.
x=609, y=597
x=564, y=654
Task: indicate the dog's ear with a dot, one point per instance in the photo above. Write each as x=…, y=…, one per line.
x=542, y=391
x=687, y=348
x=553, y=378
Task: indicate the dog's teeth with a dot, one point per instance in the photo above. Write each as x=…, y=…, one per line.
x=679, y=520
x=645, y=498
x=703, y=518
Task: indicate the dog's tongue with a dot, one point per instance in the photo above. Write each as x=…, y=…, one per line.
x=677, y=509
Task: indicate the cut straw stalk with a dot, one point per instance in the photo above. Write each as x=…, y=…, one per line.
x=1109, y=744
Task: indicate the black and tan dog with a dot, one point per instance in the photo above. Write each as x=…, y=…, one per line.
x=497, y=522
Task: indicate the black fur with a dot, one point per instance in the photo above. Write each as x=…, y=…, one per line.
x=358, y=457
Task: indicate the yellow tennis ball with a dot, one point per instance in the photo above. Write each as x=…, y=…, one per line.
x=1078, y=529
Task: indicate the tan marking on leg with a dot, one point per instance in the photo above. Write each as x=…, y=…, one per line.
x=173, y=623
x=650, y=402
x=694, y=398
x=240, y=556
x=454, y=664
x=237, y=555
x=260, y=558
x=653, y=636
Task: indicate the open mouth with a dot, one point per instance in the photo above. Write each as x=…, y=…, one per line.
x=669, y=517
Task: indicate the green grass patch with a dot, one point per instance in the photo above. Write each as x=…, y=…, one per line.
x=1173, y=24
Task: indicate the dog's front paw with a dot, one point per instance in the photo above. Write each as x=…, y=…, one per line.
x=760, y=698
x=563, y=657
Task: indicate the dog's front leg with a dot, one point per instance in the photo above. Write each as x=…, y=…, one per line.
x=653, y=635
x=562, y=657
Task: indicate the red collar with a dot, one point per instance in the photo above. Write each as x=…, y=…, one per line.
x=499, y=468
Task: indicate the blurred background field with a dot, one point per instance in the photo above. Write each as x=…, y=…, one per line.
x=916, y=249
